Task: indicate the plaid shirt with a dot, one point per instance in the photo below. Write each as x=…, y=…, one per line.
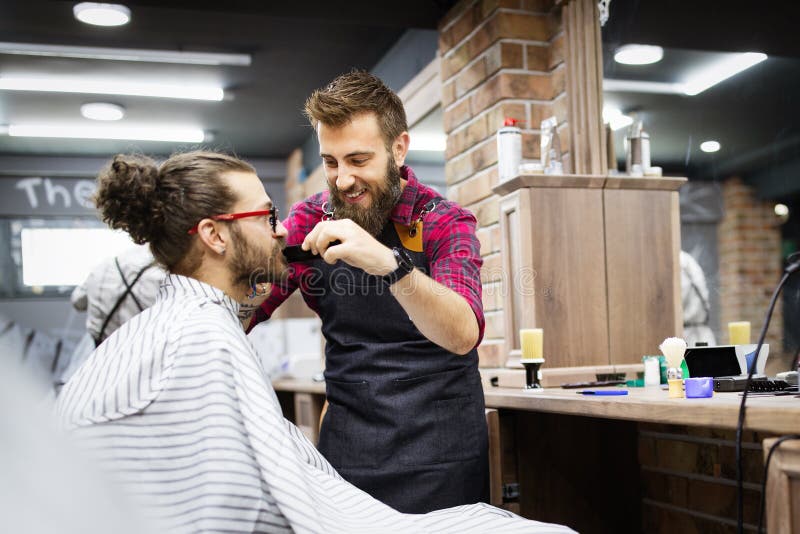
x=448, y=233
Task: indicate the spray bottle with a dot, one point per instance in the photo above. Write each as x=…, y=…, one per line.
x=509, y=149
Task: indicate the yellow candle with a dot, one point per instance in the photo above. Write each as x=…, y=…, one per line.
x=531, y=342
x=739, y=332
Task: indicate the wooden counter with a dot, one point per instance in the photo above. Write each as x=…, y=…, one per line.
x=299, y=385
x=593, y=439
x=779, y=415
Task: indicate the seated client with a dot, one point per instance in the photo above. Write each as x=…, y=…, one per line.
x=175, y=404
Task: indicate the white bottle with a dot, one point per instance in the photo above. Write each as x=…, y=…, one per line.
x=509, y=150
x=652, y=372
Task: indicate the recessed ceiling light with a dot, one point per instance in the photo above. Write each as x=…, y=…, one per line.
x=148, y=133
x=102, y=111
x=636, y=54
x=100, y=87
x=615, y=118
x=102, y=14
x=710, y=146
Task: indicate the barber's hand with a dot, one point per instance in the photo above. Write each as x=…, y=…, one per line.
x=358, y=248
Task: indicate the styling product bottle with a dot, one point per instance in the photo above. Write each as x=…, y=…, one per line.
x=645, y=143
x=633, y=150
x=611, y=154
x=509, y=149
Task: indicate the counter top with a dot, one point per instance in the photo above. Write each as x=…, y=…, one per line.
x=298, y=385
x=764, y=414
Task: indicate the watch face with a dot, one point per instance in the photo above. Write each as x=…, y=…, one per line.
x=404, y=266
x=403, y=259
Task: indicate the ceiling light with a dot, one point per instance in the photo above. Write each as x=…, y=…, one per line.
x=126, y=54
x=636, y=54
x=710, y=146
x=615, y=118
x=721, y=70
x=781, y=210
x=74, y=85
x=102, y=14
x=697, y=82
x=148, y=133
x=428, y=142
x=102, y=111
x=638, y=86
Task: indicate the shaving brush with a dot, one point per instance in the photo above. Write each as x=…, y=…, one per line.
x=673, y=349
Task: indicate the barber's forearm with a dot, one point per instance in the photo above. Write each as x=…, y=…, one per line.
x=441, y=314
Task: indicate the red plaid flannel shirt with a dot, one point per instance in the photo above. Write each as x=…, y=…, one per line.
x=450, y=244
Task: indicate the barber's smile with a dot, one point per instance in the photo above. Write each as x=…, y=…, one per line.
x=354, y=195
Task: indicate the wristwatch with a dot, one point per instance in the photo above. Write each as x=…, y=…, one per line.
x=404, y=266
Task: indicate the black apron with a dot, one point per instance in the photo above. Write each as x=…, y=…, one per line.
x=405, y=419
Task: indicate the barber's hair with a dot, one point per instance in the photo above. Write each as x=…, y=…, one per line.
x=352, y=94
x=160, y=204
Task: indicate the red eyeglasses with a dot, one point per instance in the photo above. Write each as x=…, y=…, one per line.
x=272, y=212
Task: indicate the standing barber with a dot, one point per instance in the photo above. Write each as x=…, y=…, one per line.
x=400, y=303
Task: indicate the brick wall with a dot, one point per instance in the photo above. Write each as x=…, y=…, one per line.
x=689, y=479
x=750, y=266
x=500, y=58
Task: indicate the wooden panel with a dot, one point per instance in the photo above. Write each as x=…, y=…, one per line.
x=783, y=488
x=569, y=276
x=584, y=75
x=553, y=377
x=307, y=409
x=642, y=256
x=578, y=471
x=517, y=285
x=423, y=93
x=495, y=458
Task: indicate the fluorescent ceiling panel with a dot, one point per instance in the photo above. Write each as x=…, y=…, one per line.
x=149, y=133
x=99, y=87
x=697, y=81
x=126, y=54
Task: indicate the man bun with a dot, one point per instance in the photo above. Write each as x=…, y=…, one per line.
x=160, y=204
x=127, y=196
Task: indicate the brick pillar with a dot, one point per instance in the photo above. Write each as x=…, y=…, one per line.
x=750, y=266
x=500, y=58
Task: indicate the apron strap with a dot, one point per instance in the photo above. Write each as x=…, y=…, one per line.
x=121, y=299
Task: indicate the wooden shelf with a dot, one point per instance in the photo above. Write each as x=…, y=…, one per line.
x=590, y=181
x=581, y=181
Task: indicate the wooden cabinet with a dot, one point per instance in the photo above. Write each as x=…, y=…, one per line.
x=594, y=261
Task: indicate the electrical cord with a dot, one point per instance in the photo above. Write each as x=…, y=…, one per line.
x=788, y=271
x=766, y=473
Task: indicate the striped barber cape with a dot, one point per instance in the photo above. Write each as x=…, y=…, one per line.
x=177, y=409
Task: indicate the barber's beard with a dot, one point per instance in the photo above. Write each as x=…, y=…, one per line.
x=373, y=218
x=253, y=263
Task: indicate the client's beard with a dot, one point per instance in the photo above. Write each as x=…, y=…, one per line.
x=251, y=264
x=384, y=198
